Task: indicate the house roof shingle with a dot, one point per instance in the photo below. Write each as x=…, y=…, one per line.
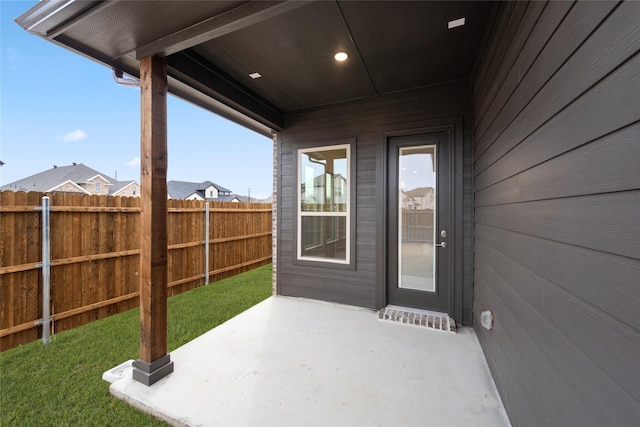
x=119, y=185
x=45, y=181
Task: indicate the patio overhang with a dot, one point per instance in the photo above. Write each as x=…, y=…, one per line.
x=213, y=47
x=253, y=63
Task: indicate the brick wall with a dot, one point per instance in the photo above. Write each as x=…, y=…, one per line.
x=274, y=215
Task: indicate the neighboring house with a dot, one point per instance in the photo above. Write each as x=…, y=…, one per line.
x=206, y=190
x=533, y=109
x=418, y=198
x=326, y=190
x=126, y=189
x=75, y=178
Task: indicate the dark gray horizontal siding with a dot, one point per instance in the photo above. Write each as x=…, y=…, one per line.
x=611, y=104
x=544, y=51
x=495, y=52
x=585, y=273
x=606, y=222
x=592, y=332
x=552, y=377
x=531, y=106
x=511, y=45
x=325, y=282
x=548, y=180
x=305, y=289
x=557, y=196
x=367, y=121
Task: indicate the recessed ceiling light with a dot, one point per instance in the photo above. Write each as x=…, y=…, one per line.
x=341, y=56
x=255, y=75
x=456, y=23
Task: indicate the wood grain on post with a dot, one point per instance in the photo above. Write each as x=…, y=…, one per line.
x=153, y=201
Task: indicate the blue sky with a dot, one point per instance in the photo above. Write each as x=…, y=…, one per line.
x=57, y=108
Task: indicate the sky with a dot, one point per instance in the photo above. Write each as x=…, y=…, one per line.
x=57, y=108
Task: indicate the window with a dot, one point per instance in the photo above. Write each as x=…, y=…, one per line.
x=97, y=187
x=324, y=206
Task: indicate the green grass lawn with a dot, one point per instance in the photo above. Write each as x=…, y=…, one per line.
x=61, y=384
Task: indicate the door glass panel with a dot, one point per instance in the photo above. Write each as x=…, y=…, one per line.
x=416, y=221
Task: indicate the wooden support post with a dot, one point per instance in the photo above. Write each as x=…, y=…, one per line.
x=154, y=362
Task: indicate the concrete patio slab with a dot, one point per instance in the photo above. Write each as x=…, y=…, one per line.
x=299, y=362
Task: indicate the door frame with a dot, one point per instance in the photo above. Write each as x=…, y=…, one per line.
x=437, y=300
x=455, y=126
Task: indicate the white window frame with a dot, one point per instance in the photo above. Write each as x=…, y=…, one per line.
x=346, y=214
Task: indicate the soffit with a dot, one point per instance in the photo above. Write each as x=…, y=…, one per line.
x=294, y=55
x=116, y=29
x=393, y=46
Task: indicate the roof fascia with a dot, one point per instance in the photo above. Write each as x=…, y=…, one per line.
x=115, y=193
x=107, y=182
x=217, y=26
x=50, y=17
x=196, y=194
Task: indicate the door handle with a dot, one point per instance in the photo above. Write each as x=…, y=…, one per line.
x=442, y=245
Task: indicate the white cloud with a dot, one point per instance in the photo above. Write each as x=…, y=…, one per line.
x=133, y=163
x=76, y=135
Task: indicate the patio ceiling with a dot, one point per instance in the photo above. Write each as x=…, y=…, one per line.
x=213, y=47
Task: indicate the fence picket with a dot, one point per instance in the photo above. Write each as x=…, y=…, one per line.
x=7, y=229
x=33, y=240
x=95, y=255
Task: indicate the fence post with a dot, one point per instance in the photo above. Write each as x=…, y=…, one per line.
x=206, y=245
x=46, y=270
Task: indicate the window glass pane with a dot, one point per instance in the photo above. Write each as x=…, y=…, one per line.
x=323, y=180
x=324, y=237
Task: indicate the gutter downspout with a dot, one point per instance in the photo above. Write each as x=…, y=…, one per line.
x=118, y=77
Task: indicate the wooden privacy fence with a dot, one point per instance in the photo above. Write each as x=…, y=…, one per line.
x=95, y=255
